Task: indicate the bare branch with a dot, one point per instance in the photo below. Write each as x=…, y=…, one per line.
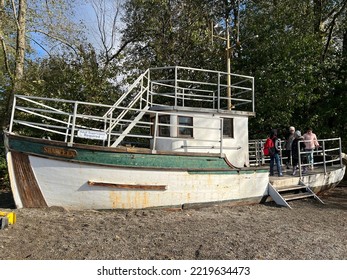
x=119, y=50
x=15, y=13
x=41, y=46
x=336, y=10
x=107, y=27
x=329, y=38
x=100, y=18
x=331, y=28
x=58, y=39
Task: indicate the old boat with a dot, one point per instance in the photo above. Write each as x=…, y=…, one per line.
x=178, y=137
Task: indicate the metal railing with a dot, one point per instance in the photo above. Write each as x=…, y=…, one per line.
x=256, y=152
x=328, y=154
x=43, y=118
x=166, y=87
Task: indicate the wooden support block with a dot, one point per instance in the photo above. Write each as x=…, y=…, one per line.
x=3, y=222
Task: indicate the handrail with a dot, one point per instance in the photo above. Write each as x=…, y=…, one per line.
x=129, y=91
x=331, y=153
x=324, y=153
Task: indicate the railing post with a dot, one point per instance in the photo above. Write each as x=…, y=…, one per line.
x=73, y=123
x=259, y=152
x=155, y=132
x=176, y=86
x=221, y=136
x=253, y=96
x=218, y=92
x=109, y=130
x=183, y=97
x=12, y=113
x=149, y=102
x=324, y=159
x=150, y=87
x=262, y=157
x=67, y=129
x=141, y=90
x=299, y=159
x=281, y=154
x=340, y=152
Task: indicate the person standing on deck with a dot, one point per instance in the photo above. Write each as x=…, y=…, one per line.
x=288, y=146
x=275, y=155
x=311, y=143
x=296, y=149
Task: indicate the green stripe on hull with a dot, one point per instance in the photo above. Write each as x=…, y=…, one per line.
x=126, y=159
x=152, y=160
x=221, y=172
x=218, y=172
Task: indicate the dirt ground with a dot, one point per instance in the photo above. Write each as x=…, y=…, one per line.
x=308, y=231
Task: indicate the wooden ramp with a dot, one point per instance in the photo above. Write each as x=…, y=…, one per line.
x=282, y=194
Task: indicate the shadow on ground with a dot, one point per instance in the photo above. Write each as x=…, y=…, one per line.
x=6, y=197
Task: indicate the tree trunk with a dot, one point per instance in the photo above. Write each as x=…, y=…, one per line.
x=21, y=45
x=20, y=55
x=344, y=56
x=317, y=10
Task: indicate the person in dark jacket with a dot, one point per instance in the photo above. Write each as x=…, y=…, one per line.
x=288, y=146
x=296, y=148
x=275, y=156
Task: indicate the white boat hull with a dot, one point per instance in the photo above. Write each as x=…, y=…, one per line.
x=66, y=184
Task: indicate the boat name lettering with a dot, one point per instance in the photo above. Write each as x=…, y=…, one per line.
x=61, y=152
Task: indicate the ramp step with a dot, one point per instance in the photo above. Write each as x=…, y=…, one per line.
x=294, y=196
x=282, y=194
x=289, y=188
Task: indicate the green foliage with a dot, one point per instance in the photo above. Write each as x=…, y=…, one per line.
x=69, y=77
x=3, y=165
x=168, y=33
x=294, y=84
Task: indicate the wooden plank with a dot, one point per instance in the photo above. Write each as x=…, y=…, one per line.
x=289, y=188
x=297, y=196
x=128, y=186
x=28, y=189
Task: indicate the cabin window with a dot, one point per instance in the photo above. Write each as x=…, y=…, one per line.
x=164, y=130
x=185, y=128
x=228, y=127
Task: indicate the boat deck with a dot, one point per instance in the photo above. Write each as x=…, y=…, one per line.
x=317, y=179
x=287, y=173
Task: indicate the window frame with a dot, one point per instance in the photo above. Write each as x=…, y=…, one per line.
x=185, y=124
x=162, y=128
x=231, y=131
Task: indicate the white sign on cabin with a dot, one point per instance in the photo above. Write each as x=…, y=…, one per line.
x=92, y=134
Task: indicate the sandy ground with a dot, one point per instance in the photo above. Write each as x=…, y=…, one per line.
x=308, y=231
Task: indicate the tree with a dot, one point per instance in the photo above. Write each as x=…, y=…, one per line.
x=166, y=33
x=66, y=76
x=22, y=20
x=290, y=61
